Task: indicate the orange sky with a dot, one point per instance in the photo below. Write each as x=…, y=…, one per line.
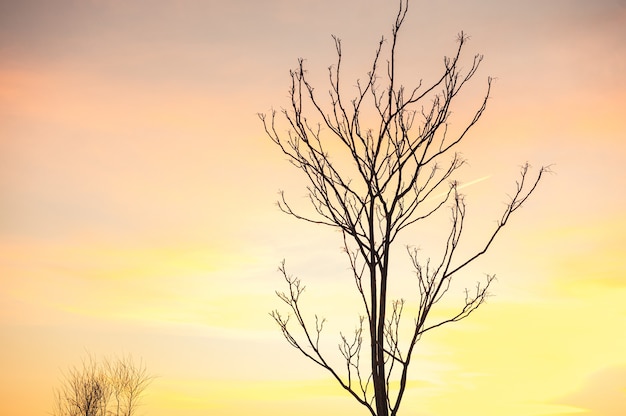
x=137, y=202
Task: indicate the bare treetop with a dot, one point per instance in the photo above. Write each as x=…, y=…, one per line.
x=109, y=388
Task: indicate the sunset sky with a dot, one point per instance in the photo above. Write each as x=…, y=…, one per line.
x=137, y=210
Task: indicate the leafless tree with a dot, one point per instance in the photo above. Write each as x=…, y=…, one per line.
x=112, y=388
x=400, y=172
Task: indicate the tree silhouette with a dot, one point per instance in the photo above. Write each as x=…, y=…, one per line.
x=371, y=184
x=110, y=388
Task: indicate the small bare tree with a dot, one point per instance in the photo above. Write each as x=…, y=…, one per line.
x=112, y=388
x=399, y=172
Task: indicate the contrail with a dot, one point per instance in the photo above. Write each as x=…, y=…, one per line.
x=465, y=185
x=475, y=181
